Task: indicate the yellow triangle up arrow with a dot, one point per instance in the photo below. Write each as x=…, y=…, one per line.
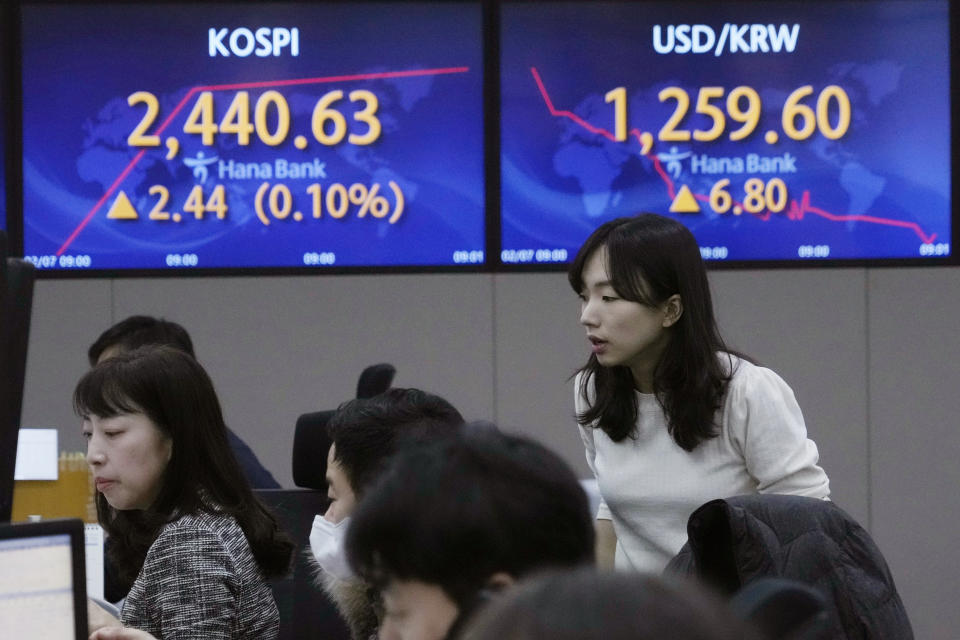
x=684, y=202
x=122, y=209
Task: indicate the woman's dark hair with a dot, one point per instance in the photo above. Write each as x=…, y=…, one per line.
x=584, y=604
x=649, y=259
x=171, y=389
x=454, y=512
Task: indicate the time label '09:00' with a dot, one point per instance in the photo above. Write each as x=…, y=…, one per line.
x=62, y=262
x=520, y=256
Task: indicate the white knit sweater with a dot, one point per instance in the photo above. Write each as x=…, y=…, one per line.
x=649, y=485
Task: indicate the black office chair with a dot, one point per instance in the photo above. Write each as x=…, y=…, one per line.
x=306, y=613
x=305, y=610
x=310, y=440
x=375, y=379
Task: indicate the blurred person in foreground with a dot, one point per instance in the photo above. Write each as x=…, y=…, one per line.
x=591, y=605
x=450, y=524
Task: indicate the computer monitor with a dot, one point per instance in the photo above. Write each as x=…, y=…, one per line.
x=356, y=142
x=780, y=133
x=16, y=301
x=43, y=587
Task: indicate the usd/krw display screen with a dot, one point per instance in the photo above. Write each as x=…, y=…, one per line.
x=776, y=131
x=161, y=136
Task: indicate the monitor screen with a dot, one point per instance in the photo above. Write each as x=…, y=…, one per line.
x=37, y=586
x=3, y=168
x=3, y=148
x=296, y=136
x=778, y=132
x=6, y=58
x=16, y=307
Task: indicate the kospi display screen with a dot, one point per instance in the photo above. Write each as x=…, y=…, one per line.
x=253, y=135
x=776, y=131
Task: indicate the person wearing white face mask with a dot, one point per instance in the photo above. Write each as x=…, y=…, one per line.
x=326, y=546
x=365, y=433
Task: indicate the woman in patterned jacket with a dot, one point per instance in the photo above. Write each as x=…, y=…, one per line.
x=186, y=527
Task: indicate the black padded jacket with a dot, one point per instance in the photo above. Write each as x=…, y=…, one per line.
x=733, y=541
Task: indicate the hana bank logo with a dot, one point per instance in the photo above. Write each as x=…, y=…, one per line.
x=733, y=38
x=261, y=42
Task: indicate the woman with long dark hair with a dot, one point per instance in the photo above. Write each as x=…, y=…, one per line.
x=185, y=527
x=671, y=418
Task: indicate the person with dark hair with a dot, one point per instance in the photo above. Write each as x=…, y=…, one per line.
x=451, y=522
x=185, y=526
x=671, y=418
x=365, y=433
x=139, y=331
x=589, y=605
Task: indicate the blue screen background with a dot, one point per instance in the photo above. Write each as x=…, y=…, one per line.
x=81, y=63
x=880, y=191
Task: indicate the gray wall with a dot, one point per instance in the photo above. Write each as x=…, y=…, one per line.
x=871, y=355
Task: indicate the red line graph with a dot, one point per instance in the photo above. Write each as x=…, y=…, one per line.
x=796, y=211
x=246, y=85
